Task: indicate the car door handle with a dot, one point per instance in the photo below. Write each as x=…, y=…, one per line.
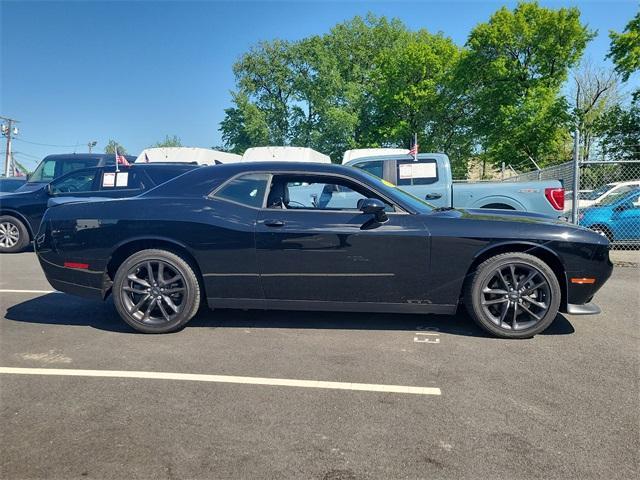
x=274, y=223
x=432, y=196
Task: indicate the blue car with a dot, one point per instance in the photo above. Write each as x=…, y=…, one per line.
x=617, y=217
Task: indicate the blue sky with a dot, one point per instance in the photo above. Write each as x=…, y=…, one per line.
x=134, y=71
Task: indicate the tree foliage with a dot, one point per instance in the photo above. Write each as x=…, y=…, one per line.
x=111, y=146
x=619, y=132
x=169, y=141
x=625, y=48
x=372, y=82
x=515, y=69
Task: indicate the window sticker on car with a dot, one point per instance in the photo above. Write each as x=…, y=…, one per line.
x=406, y=170
x=424, y=170
x=108, y=179
x=122, y=179
x=387, y=183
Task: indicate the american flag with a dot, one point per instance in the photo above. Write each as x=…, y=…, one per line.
x=121, y=160
x=413, y=151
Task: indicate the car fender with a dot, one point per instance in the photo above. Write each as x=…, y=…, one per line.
x=150, y=238
x=506, y=243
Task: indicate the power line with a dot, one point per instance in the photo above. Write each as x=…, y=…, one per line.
x=46, y=144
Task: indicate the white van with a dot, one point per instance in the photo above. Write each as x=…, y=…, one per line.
x=285, y=154
x=200, y=156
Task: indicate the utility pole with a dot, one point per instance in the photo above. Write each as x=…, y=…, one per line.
x=8, y=129
x=91, y=144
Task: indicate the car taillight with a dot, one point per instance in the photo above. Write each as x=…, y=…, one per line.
x=555, y=196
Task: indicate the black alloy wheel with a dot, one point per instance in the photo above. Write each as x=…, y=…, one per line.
x=156, y=291
x=513, y=295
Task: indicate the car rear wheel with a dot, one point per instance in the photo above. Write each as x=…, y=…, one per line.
x=156, y=291
x=14, y=236
x=513, y=295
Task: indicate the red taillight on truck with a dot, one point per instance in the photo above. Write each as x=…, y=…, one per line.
x=555, y=196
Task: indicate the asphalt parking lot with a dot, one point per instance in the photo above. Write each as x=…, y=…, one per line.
x=562, y=405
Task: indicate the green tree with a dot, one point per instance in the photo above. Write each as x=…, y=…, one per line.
x=173, y=141
x=514, y=72
x=111, y=148
x=619, y=132
x=315, y=92
x=416, y=92
x=244, y=125
x=625, y=48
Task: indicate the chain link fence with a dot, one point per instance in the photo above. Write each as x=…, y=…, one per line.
x=608, y=197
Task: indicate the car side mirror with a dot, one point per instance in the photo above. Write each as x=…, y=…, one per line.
x=373, y=206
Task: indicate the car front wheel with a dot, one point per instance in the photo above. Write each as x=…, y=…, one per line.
x=513, y=295
x=156, y=291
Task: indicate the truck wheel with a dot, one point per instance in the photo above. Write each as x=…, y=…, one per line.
x=513, y=295
x=156, y=291
x=14, y=236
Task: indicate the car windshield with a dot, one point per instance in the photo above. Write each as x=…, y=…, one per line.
x=45, y=172
x=594, y=194
x=613, y=198
x=415, y=203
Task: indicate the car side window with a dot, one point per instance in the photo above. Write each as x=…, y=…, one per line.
x=422, y=172
x=308, y=192
x=80, y=181
x=375, y=167
x=122, y=180
x=70, y=166
x=246, y=189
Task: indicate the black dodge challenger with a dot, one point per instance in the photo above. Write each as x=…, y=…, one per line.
x=301, y=236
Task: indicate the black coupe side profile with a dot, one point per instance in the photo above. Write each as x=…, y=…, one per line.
x=300, y=236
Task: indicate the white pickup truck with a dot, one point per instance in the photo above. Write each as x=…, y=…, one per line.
x=430, y=178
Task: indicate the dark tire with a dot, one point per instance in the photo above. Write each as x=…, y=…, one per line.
x=160, y=302
x=513, y=295
x=14, y=236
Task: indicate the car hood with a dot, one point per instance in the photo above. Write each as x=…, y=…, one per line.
x=21, y=192
x=30, y=187
x=507, y=216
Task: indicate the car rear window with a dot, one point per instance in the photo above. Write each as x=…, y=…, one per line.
x=246, y=189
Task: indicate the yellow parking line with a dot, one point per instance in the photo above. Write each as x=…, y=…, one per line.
x=195, y=377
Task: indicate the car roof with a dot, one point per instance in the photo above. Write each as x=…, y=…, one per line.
x=631, y=182
x=203, y=179
x=73, y=156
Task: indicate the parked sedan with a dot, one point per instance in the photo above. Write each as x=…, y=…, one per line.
x=617, y=217
x=316, y=236
x=21, y=211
